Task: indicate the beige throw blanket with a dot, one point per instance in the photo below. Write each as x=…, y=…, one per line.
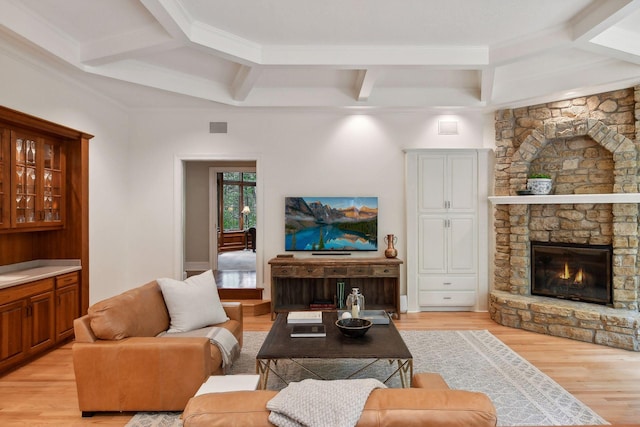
x=316, y=403
x=220, y=337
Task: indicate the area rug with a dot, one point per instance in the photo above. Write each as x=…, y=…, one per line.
x=468, y=360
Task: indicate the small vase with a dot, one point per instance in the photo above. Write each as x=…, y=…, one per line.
x=391, y=251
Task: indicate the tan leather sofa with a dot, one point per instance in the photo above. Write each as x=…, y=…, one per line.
x=429, y=402
x=120, y=364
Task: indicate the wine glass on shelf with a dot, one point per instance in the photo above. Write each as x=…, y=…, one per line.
x=19, y=172
x=19, y=149
x=20, y=212
x=33, y=151
x=30, y=215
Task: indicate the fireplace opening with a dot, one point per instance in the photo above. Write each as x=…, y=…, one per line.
x=572, y=271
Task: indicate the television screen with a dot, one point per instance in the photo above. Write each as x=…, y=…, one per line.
x=331, y=223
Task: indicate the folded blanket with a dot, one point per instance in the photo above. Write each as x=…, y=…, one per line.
x=228, y=345
x=316, y=403
x=220, y=337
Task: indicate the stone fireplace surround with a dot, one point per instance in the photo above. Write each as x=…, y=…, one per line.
x=586, y=145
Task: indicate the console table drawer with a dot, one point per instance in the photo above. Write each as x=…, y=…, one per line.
x=447, y=283
x=310, y=271
x=335, y=271
x=386, y=271
x=361, y=271
x=284, y=271
x=447, y=299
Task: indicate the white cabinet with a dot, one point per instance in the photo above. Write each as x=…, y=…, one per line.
x=447, y=182
x=443, y=236
x=450, y=244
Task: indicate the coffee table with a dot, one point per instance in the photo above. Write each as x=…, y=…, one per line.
x=381, y=342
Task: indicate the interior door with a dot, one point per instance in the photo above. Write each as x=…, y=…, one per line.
x=213, y=219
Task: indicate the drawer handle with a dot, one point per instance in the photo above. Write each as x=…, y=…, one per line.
x=447, y=283
x=386, y=270
x=446, y=298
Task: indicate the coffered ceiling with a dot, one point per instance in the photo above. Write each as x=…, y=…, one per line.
x=478, y=54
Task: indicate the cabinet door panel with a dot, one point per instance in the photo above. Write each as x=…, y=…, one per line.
x=5, y=182
x=462, y=244
x=67, y=309
x=432, y=253
x=431, y=183
x=41, y=321
x=12, y=330
x=462, y=183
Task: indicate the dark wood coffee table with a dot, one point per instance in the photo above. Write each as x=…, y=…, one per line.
x=381, y=342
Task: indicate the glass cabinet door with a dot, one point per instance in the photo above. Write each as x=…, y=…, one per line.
x=5, y=170
x=24, y=179
x=37, y=195
x=52, y=189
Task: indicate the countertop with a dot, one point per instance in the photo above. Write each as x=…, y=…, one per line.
x=25, y=272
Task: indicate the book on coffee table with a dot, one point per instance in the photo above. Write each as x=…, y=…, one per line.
x=308, y=331
x=304, y=317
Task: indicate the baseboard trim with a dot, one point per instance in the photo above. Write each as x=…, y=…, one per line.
x=197, y=266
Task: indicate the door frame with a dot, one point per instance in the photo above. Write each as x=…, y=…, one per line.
x=179, y=183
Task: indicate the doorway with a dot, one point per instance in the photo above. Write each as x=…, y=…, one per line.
x=200, y=213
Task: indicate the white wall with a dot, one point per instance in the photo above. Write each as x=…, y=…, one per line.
x=26, y=86
x=317, y=153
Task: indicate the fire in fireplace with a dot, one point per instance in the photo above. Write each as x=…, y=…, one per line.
x=572, y=271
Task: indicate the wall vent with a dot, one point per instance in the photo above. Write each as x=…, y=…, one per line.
x=217, y=127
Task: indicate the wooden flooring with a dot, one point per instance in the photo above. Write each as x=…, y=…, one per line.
x=606, y=379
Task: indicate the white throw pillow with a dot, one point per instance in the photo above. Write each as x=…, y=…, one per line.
x=194, y=303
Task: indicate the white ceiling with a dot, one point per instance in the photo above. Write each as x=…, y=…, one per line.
x=478, y=54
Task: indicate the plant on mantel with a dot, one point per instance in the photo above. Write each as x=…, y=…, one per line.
x=539, y=176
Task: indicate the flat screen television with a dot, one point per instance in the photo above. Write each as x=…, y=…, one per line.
x=325, y=224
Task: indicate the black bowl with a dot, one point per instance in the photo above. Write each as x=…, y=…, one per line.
x=353, y=327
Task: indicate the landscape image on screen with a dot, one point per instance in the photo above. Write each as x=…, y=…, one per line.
x=331, y=223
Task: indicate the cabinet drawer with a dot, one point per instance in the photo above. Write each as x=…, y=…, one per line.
x=335, y=271
x=386, y=270
x=360, y=271
x=447, y=283
x=66, y=279
x=310, y=271
x=447, y=299
x=283, y=271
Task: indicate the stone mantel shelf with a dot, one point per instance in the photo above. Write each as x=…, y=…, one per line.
x=566, y=199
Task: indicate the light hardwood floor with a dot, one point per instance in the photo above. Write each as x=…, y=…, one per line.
x=606, y=379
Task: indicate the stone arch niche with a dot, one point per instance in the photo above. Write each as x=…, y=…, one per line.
x=511, y=303
x=624, y=222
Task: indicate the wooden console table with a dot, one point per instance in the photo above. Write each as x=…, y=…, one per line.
x=297, y=282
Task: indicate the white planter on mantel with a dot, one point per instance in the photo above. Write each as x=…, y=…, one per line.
x=539, y=186
x=566, y=198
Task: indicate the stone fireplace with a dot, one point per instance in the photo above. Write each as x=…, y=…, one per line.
x=589, y=147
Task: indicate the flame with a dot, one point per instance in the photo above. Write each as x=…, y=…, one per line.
x=565, y=275
x=578, y=278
